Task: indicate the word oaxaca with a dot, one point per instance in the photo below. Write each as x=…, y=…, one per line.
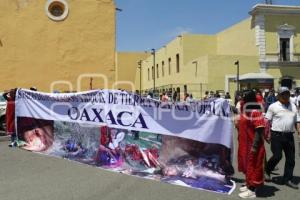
x=185, y=144
x=95, y=116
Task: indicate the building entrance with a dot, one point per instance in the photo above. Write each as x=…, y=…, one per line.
x=287, y=82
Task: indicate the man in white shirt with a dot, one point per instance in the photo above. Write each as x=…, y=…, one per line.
x=298, y=99
x=293, y=98
x=284, y=118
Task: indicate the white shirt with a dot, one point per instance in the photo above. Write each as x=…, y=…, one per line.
x=293, y=100
x=238, y=107
x=283, y=118
x=297, y=101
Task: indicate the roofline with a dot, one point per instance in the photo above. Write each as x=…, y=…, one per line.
x=233, y=25
x=267, y=9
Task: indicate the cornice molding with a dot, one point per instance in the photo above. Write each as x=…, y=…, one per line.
x=264, y=9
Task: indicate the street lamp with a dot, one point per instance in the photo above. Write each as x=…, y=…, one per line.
x=140, y=67
x=237, y=63
x=153, y=53
x=91, y=83
x=196, y=65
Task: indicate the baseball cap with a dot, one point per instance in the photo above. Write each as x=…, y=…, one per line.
x=283, y=90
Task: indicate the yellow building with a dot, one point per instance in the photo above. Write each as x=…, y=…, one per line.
x=265, y=45
x=128, y=71
x=57, y=44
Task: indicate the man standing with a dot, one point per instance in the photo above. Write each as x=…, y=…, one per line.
x=284, y=118
x=270, y=99
x=174, y=95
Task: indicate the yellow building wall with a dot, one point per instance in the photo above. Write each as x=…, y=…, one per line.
x=127, y=70
x=163, y=54
x=237, y=40
x=285, y=71
x=192, y=49
x=197, y=82
x=211, y=67
x=271, y=24
x=37, y=51
x=215, y=56
x=272, y=46
x=195, y=45
x=220, y=66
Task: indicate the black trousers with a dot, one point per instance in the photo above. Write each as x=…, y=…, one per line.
x=282, y=142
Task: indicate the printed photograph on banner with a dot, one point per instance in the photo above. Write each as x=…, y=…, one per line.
x=63, y=139
x=195, y=164
x=164, y=158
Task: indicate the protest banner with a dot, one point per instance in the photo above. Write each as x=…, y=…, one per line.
x=185, y=144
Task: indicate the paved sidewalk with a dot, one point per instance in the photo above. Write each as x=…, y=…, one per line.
x=30, y=176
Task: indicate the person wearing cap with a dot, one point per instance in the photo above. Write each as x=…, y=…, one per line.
x=284, y=118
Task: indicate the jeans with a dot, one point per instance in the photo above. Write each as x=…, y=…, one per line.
x=282, y=142
x=13, y=137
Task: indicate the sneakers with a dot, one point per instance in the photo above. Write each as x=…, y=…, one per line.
x=13, y=144
x=292, y=185
x=243, y=188
x=17, y=143
x=247, y=194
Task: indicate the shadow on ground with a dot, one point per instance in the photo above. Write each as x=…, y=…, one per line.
x=266, y=191
x=279, y=180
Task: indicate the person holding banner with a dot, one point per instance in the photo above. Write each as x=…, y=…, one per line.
x=10, y=115
x=251, y=127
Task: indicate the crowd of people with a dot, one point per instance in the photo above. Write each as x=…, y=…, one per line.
x=271, y=118
x=168, y=96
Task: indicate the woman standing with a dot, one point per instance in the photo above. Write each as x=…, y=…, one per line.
x=251, y=127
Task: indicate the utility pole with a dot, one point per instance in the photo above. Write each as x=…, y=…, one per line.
x=140, y=67
x=237, y=63
x=153, y=53
x=91, y=83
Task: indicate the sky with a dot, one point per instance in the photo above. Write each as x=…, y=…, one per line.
x=146, y=24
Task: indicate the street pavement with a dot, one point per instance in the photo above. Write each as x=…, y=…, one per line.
x=31, y=176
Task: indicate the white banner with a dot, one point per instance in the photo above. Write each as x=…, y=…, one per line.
x=205, y=121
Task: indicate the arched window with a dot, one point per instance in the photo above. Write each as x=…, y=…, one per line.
x=177, y=63
x=162, y=68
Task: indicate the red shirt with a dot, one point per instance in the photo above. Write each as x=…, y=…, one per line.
x=251, y=164
x=260, y=99
x=10, y=116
